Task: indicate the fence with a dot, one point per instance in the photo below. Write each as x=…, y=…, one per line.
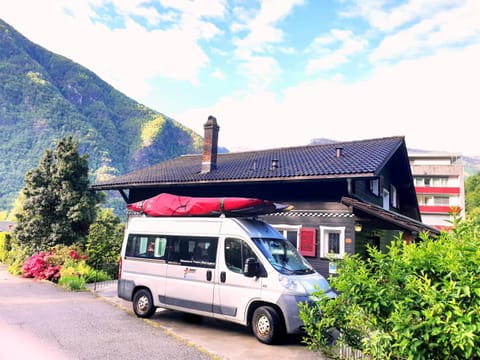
x=100, y=282
x=346, y=352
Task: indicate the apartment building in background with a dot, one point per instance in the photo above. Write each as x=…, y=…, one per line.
x=439, y=184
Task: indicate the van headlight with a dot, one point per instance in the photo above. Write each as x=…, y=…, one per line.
x=293, y=286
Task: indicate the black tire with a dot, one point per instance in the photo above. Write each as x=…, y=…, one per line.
x=143, y=304
x=267, y=325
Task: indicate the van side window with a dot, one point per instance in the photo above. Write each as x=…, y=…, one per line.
x=146, y=246
x=236, y=252
x=193, y=251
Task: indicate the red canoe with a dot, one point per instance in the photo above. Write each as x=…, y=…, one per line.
x=174, y=205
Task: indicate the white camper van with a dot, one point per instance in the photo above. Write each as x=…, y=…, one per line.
x=235, y=269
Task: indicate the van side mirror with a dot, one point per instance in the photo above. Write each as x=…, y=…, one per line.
x=250, y=268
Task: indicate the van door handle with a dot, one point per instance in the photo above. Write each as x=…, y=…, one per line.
x=223, y=276
x=209, y=275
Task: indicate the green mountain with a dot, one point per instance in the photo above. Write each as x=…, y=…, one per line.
x=44, y=96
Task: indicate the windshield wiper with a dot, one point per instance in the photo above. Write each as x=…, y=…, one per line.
x=303, y=271
x=285, y=269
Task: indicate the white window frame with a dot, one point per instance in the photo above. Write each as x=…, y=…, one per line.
x=282, y=229
x=324, y=231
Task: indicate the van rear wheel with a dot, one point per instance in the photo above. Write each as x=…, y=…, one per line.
x=267, y=325
x=143, y=304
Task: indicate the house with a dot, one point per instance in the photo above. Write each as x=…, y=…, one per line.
x=345, y=195
x=439, y=183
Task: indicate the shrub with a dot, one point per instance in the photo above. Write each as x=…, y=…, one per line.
x=16, y=257
x=61, y=254
x=38, y=267
x=47, y=265
x=5, y=246
x=78, y=268
x=418, y=301
x=72, y=282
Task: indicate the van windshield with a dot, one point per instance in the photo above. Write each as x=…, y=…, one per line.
x=283, y=256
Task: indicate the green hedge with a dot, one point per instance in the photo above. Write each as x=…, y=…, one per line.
x=418, y=301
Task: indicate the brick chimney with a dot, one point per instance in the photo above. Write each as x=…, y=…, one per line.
x=210, y=145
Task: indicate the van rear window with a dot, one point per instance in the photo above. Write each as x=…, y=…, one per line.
x=148, y=246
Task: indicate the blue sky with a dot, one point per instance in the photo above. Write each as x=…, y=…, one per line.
x=279, y=73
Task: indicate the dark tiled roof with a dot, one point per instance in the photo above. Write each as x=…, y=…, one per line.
x=358, y=158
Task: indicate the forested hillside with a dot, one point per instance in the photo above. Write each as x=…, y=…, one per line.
x=44, y=96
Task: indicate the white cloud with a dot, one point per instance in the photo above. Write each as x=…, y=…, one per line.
x=254, y=50
x=333, y=49
x=449, y=27
x=433, y=102
x=218, y=74
x=386, y=18
x=261, y=70
x=262, y=26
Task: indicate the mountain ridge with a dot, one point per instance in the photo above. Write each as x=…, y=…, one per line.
x=44, y=96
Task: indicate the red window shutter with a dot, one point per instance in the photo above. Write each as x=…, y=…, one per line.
x=308, y=238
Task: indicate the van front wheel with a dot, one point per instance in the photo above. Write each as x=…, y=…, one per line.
x=266, y=325
x=143, y=304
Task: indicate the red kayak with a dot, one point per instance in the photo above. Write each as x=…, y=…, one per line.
x=174, y=205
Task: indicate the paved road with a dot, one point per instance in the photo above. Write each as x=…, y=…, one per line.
x=42, y=321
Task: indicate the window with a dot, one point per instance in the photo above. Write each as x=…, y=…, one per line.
x=193, y=251
x=236, y=252
x=434, y=181
x=442, y=200
x=181, y=250
x=332, y=241
x=437, y=200
x=394, y=197
x=304, y=239
x=375, y=186
x=386, y=199
x=289, y=232
x=283, y=256
x=146, y=246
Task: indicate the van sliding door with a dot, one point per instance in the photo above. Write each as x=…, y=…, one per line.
x=191, y=273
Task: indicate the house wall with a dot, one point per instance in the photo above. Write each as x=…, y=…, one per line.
x=331, y=215
x=317, y=204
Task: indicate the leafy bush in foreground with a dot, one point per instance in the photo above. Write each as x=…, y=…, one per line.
x=418, y=301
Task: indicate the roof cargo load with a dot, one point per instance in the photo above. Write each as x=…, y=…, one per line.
x=174, y=205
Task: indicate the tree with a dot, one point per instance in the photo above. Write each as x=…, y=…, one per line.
x=104, y=240
x=59, y=206
x=472, y=194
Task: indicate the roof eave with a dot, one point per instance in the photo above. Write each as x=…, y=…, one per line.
x=133, y=185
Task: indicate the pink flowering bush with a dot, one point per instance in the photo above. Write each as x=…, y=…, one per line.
x=47, y=265
x=37, y=266
x=65, y=265
x=75, y=255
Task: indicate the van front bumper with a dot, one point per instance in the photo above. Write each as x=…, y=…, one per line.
x=290, y=309
x=289, y=304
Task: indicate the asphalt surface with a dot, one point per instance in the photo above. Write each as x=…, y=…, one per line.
x=39, y=320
